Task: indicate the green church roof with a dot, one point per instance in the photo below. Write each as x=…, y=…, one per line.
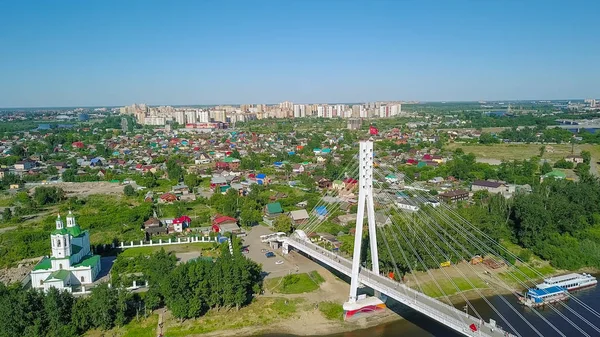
x=75, y=231
x=59, y=275
x=88, y=261
x=44, y=264
x=61, y=231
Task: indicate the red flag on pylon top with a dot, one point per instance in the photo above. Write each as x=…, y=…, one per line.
x=373, y=130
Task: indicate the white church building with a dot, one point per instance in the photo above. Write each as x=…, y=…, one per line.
x=71, y=263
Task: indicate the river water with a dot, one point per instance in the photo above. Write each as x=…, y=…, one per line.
x=417, y=325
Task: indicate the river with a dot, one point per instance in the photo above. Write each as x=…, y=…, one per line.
x=417, y=325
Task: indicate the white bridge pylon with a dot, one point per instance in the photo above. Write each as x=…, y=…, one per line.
x=365, y=204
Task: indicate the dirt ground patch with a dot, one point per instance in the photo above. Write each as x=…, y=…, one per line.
x=89, y=188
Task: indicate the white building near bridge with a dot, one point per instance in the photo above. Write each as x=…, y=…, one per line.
x=71, y=263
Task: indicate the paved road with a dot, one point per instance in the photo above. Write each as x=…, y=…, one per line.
x=292, y=263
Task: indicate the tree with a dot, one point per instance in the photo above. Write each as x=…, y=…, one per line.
x=191, y=180
x=174, y=170
x=546, y=167
x=7, y=214
x=129, y=191
x=587, y=157
x=542, y=150
x=563, y=164
x=283, y=223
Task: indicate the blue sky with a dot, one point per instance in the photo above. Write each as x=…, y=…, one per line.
x=88, y=53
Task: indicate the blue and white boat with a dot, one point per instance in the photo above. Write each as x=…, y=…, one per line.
x=570, y=282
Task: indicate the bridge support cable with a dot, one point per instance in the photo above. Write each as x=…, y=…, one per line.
x=461, y=231
x=318, y=220
x=315, y=219
x=518, y=280
x=420, y=259
x=408, y=264
x=321, y=202
x=576, y=314
x=350, y=167
x=525, y=276
x=395, y=265
x=468, y=280
x=459, y=292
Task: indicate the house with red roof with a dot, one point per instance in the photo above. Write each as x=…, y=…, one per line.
x=167, y=198
x=78, y=145
x=224, y=224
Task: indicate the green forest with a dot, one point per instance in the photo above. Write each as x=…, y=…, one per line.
x=188, y=290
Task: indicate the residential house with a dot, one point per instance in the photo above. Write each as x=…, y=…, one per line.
x=177, y=225
x=224, y=224
x=486, y=185
x=273, y=210
x=407, y=205
x=329, y=240
x=381, y=219
x=438, y=159
x=576, y=159
x=338, y=185
x=167, y=198
x=24, y=165
x=298, y=168
x=180, y=188
x=324, y=183
x=554, y=174
x=216, y=182
x=149, y=197
x=454, y=196
x=350, y=183
x=3, y=172
x=436, y=180
x=152, y=222
x=345, y=219
x=299, y=217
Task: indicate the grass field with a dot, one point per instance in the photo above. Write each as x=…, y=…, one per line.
x=331, y=310
x=142, y=328
x=295, y=283
x=261, y=312
x=514, y=151
x=431, y=289
x=522, y=274
x=181, y=248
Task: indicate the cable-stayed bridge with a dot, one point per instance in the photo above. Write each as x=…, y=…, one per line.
x=422, y=237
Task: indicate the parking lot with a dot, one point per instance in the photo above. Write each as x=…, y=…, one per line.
x=292, y=262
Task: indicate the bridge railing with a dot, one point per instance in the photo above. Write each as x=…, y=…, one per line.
x=400, y=292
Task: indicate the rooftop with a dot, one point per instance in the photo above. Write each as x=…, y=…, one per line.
x=44, y=264
x=88, y=261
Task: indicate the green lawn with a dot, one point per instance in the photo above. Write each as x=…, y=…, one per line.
x=523, y=273
x=180, y=248
x=431, y=289
x=332, y=310
x=260, y=313
x=553, y=152
x=142, y=328
x=295, y=283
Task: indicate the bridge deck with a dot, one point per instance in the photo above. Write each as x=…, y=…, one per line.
x=441, y=312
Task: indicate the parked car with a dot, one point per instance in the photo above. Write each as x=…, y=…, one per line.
x=279, y=262
x=270, y=254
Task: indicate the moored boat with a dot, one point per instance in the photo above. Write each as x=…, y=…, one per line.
x=570, y=282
